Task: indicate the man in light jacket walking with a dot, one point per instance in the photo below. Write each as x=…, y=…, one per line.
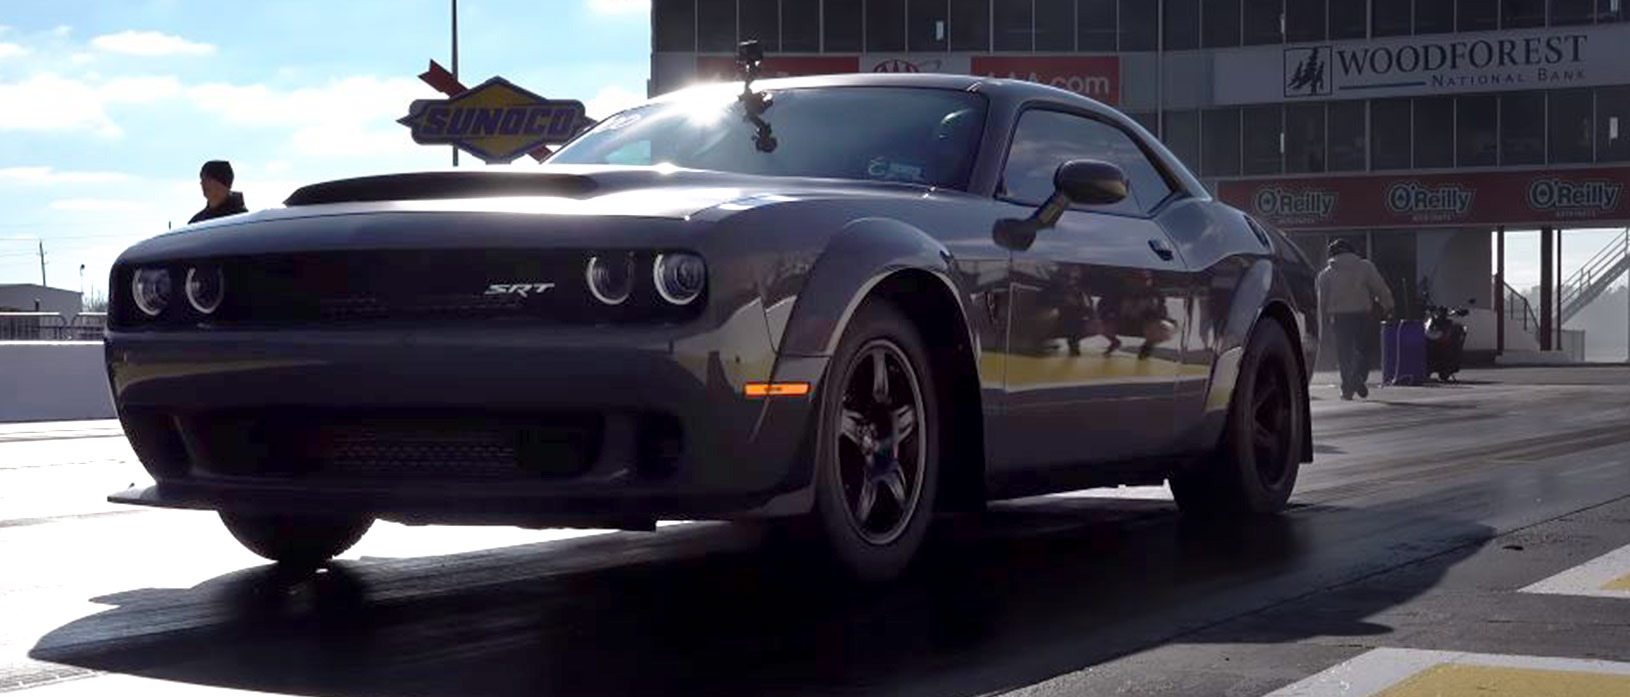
x=1349, y=289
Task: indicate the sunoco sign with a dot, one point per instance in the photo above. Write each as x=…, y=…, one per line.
x=1488, y=62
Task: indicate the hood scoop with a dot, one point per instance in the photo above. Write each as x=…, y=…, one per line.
x=424, y=186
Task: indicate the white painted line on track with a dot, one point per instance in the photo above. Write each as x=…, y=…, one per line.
x=1386, y=670
x=1607, y=576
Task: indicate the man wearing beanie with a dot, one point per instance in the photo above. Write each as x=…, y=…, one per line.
x=216, y=181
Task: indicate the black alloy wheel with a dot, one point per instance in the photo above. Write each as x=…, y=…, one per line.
x=880, y=451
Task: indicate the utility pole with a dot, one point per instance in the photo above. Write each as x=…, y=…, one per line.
x=455, y=64
x=42, y=263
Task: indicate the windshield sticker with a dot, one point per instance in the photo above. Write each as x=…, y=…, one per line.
x=886, y=170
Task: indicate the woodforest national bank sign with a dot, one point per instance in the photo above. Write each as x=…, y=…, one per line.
x=1425, y=65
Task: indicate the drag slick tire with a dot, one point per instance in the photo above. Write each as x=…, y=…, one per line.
x=877, y=464
x=1254, y=468
x=295, y=540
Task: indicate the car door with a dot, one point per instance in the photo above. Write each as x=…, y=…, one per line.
x=1098, y=307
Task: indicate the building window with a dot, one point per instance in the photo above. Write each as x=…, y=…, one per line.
x=1569, y=123
x=800, y=26
x=1477, y=131
x=1477, y=15
x=1391, y=17
x=1349, y=20
x=1434, y=16
x=1349, y=141
x=1434, y=132
x=1096, y=25
x=1182, y=25
x=1182, y=136
x=970, y=25
x=1264, y=22
x=1522, y=128
x=1304, y=138
x=1140, y=25
x=1572, y=12
x=928, y=26
x=1613, y=124
x=716, y=26
x=1055, y=25
x=1390, y=134
x=840, y=22
x=1609, y=10
x=1304, y=20
x=1264, y=139
x=885, y=25
x=674, y=25
x=761, y=21
x=1014, y=29
x=1219, y=141
x=1521, y=14
x=1221, y=23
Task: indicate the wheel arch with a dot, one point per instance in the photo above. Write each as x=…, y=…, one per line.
x=1261, y=295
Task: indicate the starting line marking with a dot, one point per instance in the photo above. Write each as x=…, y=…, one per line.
x=1416, y=673
x=1607, y=576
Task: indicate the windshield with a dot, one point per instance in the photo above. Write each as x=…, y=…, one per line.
x=919, y=136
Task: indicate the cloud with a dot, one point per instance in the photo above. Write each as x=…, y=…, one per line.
x=620, y=7
x=62, y=31
x=12, y=51
x=150, y=43
x=352, y=116
x=48, y=175
x=62, y=104
x=97, y=204
x=610, y=100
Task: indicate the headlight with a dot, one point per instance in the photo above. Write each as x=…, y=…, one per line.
x=611, y=279
x=680, y=278
x=206, y=287
x=151, y=290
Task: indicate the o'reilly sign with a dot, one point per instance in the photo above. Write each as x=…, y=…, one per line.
x=1488, y=62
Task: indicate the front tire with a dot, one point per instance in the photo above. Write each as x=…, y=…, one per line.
x=877, y=465
x=1254, y=468
x=295, y=540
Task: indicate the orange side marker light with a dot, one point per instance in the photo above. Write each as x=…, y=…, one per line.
x=776, y=389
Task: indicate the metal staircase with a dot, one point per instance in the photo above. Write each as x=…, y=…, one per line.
x=1595, y=276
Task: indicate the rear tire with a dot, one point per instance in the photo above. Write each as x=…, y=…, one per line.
x=295, y=540
x=1254, y=468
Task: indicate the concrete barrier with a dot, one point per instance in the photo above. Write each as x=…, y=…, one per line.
x=53, y=381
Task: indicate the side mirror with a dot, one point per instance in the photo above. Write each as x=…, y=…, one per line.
x=1092, y=182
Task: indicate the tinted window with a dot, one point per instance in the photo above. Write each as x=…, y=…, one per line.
x=1221, y=23
x=1477, y=138
x=1613, y=124
x=762, y=21
x=801, y=25
x=1389, y=134
x=1304, y=138
x=1434, y=16
x=1349, y=20
x=1477, y=15
x=1261, y=22
x=1572, y=12
x=1570, y=125
x=1349, y=142
x=885, y=25
x=1055, y=25
x=1182, y=136
x=673, y=25
x=1014, y=29
x=1304, y=20
x=1263, y=139
x=1522, y=13
x=921, y=136
x=1140, y=23
x=1522, y=128
x=1146, y=119
x=1391, y=17
x=1609, y=10
x=1046, y=139
x=1182, y=24
x=716, y=26
x=928, y=26
x=1434, y=132
x=1219, y=142
x=1096, y=25
x=841, y=24
x=970, y=25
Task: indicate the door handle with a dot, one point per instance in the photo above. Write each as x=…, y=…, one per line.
x=1161, y=250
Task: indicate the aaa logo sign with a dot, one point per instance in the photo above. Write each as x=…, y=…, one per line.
x=495, y=121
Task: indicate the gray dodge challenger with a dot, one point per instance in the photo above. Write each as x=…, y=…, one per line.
x=843, y=304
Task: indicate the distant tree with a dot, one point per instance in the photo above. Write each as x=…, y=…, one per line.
x=94, y=301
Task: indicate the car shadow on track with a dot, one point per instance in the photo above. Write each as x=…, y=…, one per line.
x=1024, y=592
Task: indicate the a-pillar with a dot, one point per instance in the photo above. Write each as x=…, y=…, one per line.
x=1547, y=271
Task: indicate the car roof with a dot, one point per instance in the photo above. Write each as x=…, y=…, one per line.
x=1003, y=88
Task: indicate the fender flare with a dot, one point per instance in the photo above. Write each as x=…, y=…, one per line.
x=1259, y=287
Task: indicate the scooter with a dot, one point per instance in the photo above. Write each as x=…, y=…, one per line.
x=1445, y=341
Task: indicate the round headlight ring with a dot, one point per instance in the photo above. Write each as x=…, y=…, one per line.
x=607, y=283
x=150, y=289
x=206, y=288
x=679, y=277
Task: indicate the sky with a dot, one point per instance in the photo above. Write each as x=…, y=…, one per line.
x=109, y=107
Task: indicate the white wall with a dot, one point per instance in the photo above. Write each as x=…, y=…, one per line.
x=53, y=381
